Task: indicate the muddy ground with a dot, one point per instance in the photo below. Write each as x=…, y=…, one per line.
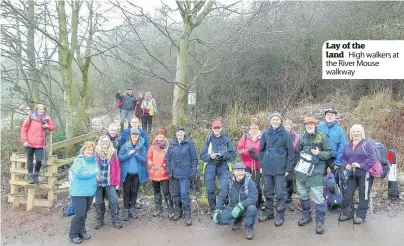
x=46, y=226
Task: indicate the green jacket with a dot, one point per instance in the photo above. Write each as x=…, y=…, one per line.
x=310, y=141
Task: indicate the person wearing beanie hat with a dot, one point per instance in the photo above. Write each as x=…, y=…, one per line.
x=182, y=166
x=156, y=163
x=276, y=157
x=216, y=152
x=336, y=135
x=275, y=114
x=242, y=196
x=128, y=103
x=248, y=147
x=314, y=149
x=133, y=171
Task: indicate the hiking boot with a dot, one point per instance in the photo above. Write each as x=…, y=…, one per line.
x=170, y=209
x=138, y=205
x=126, y=215
x=344, y=218
x=31, y=178
x=319, y=228
x=304, y=220
x=75, y=240
x=84, y=236
x=115, y=216
x=99, y=220
x=177, y=212
x=279, y=218
x=358, y=220
x=306, y=214
x=265, y=216
x=236, y=226
x=188, y=222
x=36, y=177
x=133, y=213
x=187, y=213
x=249, y=233
x=158, y=202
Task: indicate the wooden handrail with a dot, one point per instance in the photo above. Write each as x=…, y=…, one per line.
x=72, y=141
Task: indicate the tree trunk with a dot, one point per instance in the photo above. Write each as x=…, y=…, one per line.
x=66, y=55
x=32, y=75
x=81, y=127
x=181, y=88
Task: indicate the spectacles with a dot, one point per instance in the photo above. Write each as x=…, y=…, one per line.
x=218, y=127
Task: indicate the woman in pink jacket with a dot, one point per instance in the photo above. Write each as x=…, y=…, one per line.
x=33, y=137
x=248, y=148
x=110, y=169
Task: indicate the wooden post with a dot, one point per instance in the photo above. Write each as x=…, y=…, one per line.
x=30, y=197
x=52, y=169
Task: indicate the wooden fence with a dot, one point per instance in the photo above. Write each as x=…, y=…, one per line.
x=45, y=193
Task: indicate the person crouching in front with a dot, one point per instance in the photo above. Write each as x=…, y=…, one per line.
x=243, y=196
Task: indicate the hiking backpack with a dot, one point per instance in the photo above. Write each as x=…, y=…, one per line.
x=381, y=154
x=332, y=193
x=119, y=102
x=68, y=211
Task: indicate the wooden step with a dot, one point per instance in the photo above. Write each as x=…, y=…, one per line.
x=24, y=171
x=26, y=184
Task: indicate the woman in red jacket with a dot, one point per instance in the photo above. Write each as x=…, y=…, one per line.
x=33, y=137
x=248, y=147
x=108, y=162
x=156, y=161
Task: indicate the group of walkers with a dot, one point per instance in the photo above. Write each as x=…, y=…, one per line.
x=145, y=108
x=278, y=155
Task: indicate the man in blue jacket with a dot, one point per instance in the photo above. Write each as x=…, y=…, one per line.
x=216, y=152
x=276, y=157
x=128, y=105
x=243, y=196
x=336, y=135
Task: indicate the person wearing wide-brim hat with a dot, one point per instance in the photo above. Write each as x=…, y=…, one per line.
x=243, y=196
x=182, y=163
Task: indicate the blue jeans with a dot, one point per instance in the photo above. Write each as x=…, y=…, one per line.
x=211, y=171
x=81, y=205
x=107, y=191
x=250, y=214
x=126, y=114
x=181, y=193
x=275, y=184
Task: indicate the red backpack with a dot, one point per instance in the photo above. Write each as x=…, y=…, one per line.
x=119, y=102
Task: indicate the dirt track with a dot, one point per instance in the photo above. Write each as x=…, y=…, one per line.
x=47, y=227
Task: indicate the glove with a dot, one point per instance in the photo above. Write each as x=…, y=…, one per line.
x=252, y=154
x=237, y=210
x=192, y=175
x=217, y=212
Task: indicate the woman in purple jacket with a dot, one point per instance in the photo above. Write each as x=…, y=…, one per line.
x=358, y=156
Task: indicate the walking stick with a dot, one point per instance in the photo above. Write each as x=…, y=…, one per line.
x=354, y=176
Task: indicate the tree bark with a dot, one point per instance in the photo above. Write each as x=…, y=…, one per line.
x=181, y=88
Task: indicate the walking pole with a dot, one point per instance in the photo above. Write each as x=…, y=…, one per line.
x=354, y=176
